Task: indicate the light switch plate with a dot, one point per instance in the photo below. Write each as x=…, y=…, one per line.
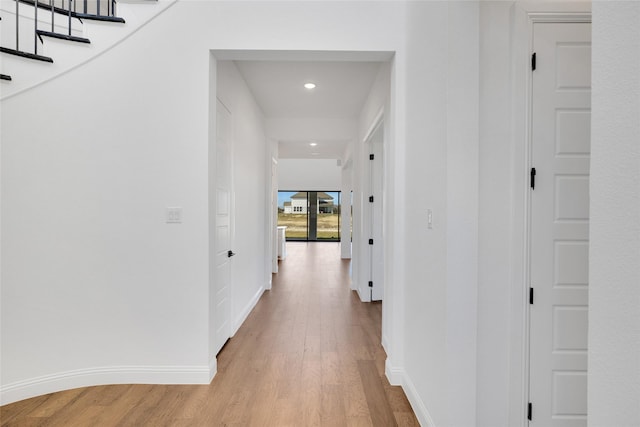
x=174, y=215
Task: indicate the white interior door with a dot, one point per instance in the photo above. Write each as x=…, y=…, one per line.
x=561, y=103
x=374, y=208
x=223, y=228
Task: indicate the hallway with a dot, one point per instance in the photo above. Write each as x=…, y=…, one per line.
x=308, y=354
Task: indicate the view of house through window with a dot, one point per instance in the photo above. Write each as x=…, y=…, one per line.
x=310, y=215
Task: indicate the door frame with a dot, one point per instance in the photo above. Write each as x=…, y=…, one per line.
x=272, y=206
x=374, y=224
x=525, y=15
x=363, y=259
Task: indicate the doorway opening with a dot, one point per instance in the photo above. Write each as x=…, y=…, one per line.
x=316, y=134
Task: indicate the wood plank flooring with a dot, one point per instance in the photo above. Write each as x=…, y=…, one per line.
x=308, y=355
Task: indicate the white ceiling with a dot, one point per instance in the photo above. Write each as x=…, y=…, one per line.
x=325, y=149
x=342, y=88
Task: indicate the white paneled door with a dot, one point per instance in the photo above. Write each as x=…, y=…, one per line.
x=560, y=152
x=223, y=229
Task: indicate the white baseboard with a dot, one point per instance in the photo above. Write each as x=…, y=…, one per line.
x=385, y=344
x=102, y=376
x=247, y=310
x=398, y=376
x=213, y=368
x=365, y=296
x=118, y=374
x=394, y=374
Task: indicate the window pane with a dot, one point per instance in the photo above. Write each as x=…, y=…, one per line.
x=292, y=213
x=322, y=223
x=328, y=215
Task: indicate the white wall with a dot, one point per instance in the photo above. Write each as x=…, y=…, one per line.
x=614, y=267
x=317, y=128
x=462, y=211
x=426, y=293
x=309, y=175
x=96, y=287
x=494, y=216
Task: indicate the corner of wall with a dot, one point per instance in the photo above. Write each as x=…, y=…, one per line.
x=364, y=297
x=213, y=368
x=397, y=376
x=247, y=309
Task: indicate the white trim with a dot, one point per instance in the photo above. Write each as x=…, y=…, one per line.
x=521, y=84
x=398, y=376
x=385, y=342
x=364, y=295
x=213, y=368
x=394, y=374
x=366, y=183
x=418, y=406
x=247, y=310
x=375, y=123
x=560, y=17
x=272, y=191
x=524, y=17
x=102, y=376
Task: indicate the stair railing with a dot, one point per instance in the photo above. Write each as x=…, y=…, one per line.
x=19, y=52
x=102, y=10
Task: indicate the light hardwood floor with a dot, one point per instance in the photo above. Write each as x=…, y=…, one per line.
x=308, y=355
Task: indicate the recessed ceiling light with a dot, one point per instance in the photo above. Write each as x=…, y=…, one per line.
x=313, y=144
x=309, y=85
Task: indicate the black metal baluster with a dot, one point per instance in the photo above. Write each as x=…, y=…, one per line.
x=35, y=25
x=52, y=15
x=17, y=24
x=36, y=35
x=69, y=4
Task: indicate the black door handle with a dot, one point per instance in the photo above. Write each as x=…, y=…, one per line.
x=533, y=178
x=230, y=254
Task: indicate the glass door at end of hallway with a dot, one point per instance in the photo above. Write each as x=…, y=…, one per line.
x=310, y=215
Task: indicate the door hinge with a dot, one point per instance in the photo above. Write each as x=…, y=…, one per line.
x=371, y=199
x=370, y=284
x=533, y=61
x=529, y=411
x=533, y=178
x=371, y=156
x=530, y=295
x=371, y=241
